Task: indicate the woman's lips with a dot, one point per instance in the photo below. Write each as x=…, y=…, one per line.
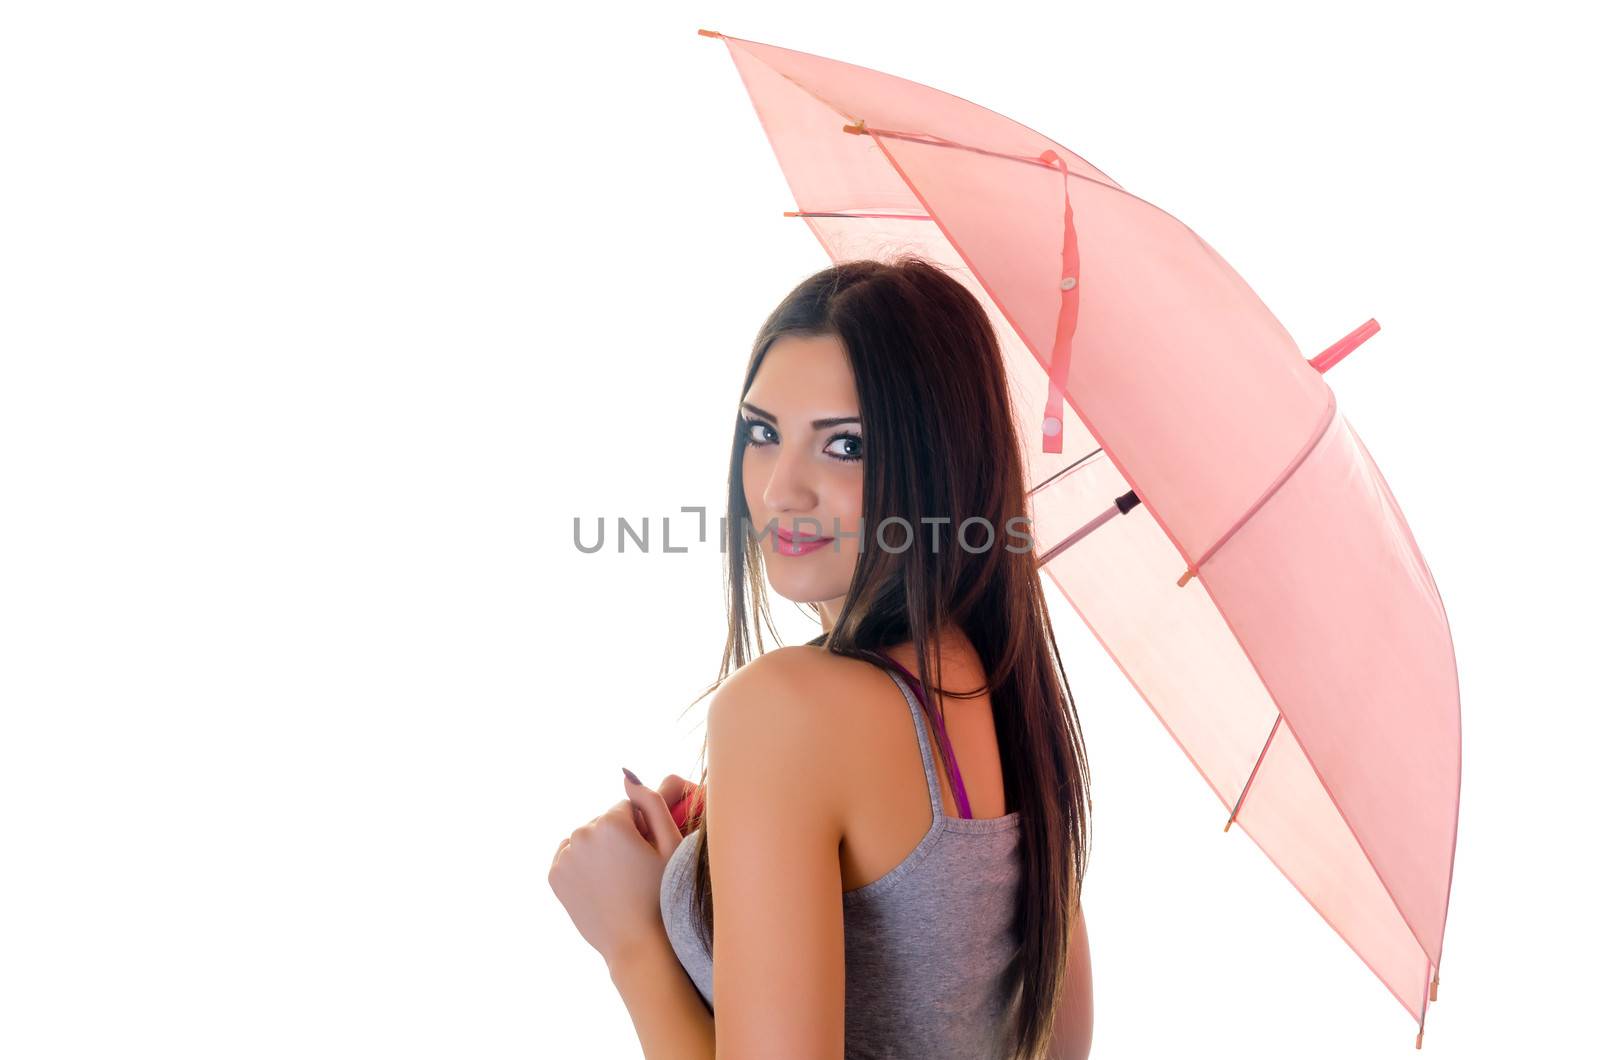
x=787, y=545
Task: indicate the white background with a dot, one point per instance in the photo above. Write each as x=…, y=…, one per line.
x=322, y=321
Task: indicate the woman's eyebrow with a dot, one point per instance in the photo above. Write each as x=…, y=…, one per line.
x=831, y=421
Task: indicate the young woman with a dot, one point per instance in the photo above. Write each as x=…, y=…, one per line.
x=892, y=824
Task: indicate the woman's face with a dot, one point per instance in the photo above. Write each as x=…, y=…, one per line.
x=803, y=467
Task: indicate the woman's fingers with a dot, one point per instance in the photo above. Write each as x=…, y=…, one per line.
x=662, y=830
x=674, y=787
x=560, y=849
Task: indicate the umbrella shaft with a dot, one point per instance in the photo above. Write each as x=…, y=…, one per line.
x=1121, y=506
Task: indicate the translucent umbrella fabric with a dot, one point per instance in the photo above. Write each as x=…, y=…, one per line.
x=1256, y=581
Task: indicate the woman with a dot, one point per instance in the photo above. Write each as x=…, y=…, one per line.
x=872, y=897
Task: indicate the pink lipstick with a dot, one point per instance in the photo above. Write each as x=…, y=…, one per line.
x=788, y=545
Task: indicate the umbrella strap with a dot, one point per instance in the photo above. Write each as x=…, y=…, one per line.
x=1054, y=423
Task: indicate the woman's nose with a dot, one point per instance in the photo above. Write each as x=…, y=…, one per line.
x=790, y=488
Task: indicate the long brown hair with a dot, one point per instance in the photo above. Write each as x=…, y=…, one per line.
x=941, y=442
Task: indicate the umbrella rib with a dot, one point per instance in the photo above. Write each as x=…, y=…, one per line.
x=858, y=125
x=853, y=216
x=1277, y=484
x=1249, y=780
x=1066, y=470
x=859, y=128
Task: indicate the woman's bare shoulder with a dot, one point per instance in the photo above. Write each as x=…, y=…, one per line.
x=798, y=670
x=810, y=693
x=815, y=685
x=788, y=711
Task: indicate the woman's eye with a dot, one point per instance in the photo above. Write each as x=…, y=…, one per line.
x=845, y=446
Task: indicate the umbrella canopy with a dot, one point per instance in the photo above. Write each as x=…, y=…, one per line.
x=1196, y=494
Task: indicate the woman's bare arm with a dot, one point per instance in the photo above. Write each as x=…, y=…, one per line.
x=774, y=833
x=1074, y=1027
x=668, y=1015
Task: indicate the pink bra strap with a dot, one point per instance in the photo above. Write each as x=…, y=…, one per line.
x=957, y=787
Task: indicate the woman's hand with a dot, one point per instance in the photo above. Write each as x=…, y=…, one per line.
x=607, y=873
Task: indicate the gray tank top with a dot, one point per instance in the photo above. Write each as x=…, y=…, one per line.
x=926, y=945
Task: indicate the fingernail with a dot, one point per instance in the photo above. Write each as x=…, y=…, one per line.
x=629, y=774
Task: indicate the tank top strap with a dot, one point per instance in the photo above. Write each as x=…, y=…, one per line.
x=910, y=687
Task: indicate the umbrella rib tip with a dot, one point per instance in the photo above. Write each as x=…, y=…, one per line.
x=710, y=33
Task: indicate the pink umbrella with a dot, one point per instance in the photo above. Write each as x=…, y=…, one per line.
x=1196, y=495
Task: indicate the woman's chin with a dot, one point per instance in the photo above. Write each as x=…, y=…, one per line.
x=803, y=590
